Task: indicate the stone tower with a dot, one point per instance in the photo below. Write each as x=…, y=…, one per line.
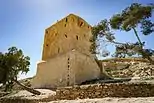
x=66, y=59
x=70, y=33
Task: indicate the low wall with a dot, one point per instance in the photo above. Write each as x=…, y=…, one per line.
x=106, y=90
x=130, y=59
x=92, y=91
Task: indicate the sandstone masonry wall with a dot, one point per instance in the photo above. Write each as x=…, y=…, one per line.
x=106, y=90
x=72, y=32
x=93, y=91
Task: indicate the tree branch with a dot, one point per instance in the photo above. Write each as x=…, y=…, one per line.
x=114, y=42
x=139, y=40
x=27, y=88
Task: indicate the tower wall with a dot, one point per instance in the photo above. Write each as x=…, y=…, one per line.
x=66, y=69
x=66, y=56
x=72, y=32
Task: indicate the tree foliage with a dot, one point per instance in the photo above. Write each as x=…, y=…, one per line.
x=12, y=63
x=135, y=15
x=131, y=18
x=100, y=30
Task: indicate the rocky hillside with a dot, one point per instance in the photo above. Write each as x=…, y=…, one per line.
x=129, y=68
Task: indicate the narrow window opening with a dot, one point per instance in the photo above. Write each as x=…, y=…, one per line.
x=84, y=35
x=68, y=75
x=66, y=19
x=58, y=50
x=65, y=35
x=81, y=24
x=46, y=44
x=68, y=82
x=65, y=25
x=55, y=34
x=47, y=31
x=73, y=19
x=77, y=37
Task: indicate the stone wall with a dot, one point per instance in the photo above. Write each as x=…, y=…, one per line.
x=92, y=91
x=120, y=63
x=72, y=32
x=66, y=69
x=60, y=67
x=106, y=90
x=127, y=67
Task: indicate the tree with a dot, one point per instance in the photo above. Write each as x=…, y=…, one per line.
x=12, y=63
x=98, y=31
x=133, y=17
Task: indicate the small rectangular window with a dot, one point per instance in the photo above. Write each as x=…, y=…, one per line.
x=46, y=31
x=65, y=35
x=58, y=50
x=66, y=19
x=81, y=24
x=77, y=37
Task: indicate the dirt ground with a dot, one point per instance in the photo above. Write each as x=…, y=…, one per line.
x=109, y=100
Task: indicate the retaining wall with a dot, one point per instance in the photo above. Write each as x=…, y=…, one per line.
x=93, y=91
x=106, y=90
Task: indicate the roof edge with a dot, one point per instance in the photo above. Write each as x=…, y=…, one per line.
x=69, y=15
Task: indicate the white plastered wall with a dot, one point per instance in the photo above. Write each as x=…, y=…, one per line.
x=56, y=73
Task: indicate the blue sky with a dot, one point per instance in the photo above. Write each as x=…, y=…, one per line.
x=22, y=22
